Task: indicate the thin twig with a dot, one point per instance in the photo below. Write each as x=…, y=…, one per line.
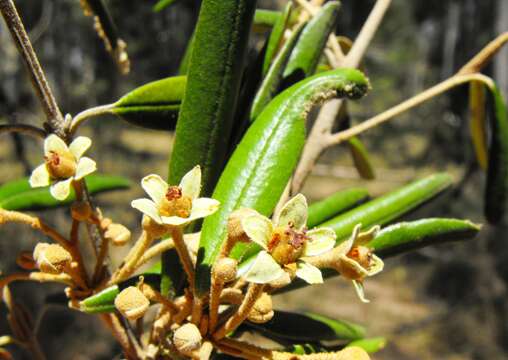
x=54, y=116
x=87, y=114
x=477, y=63
x=24, y=129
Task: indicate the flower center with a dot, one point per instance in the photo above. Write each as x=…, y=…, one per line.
x=362, y=255
x=60, y=166
x=287, y=244
x=175, y=203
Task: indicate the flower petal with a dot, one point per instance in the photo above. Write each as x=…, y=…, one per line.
x=191, y=183
x=345, y=246
x=320, y=241
x=61, y=189
x=85, y=167
x=40, y=176
x=377, y=266
x=155, y=187
x=175, y=220
x=309, y=273
x=263, y=270
x=79, y=146
x=54, y=144
x=360, y=291
x=366, y=236
x=148, y=208
x=258, y=228
x=295, y=212
x=203, y=207
x=354, y=266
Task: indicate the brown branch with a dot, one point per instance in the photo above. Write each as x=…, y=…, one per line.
x=23, y=129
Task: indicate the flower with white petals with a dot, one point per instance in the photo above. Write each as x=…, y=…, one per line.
x=285, y=243
x=175, y=205
x=63, y=165
x=356, y=260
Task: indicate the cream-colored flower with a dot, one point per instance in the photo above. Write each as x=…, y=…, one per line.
x=357, y=261
x=175, y=205
x=63, y=164
x=284, y=243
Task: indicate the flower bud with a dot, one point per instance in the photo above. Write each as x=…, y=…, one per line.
x=262, y=311
x=235, y=228
x=118, y=234
x=51, y=258
x=61, y=165
x=187, y=339
x=225, y=269
x=81, y=211
x=26, y=261
x=131, y=303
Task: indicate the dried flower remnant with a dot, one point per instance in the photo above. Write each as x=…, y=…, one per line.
x=175, y=205
x=63, y=165
x=285, y=242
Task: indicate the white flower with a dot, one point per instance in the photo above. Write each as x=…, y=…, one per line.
x=63, y=165
x=175, y=205
x=284, y=243
x=357, y=261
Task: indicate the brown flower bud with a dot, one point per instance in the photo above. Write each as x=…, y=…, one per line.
x=131, y=303
x=262, y=311
x=187, y=339
x=81, y=211
x=118, y=234
x=51, y=258
x=26, y=261
x=235, y=228
x=225, y=269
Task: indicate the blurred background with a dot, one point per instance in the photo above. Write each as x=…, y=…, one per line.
x=448, y=302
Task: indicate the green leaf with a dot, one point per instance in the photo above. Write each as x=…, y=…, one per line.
x=184, y=63
x=266, y=18
x=18, y=195
x=335, y=204
x=216, y=63
x=263, y=162
x=408, y=236
x=104, y=301
x=361, y=159
x=478, y=122
x=371, y=345
x=154, y=105
x=276, y=37
x=309, y=327
x=271, y=82
x=162, y=4
x=496, y=191
x=305, y=57
x=389, y=207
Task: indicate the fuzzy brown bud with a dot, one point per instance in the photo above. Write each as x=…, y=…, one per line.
x=132, y=303
x=51, y=258
x=81, y=211
x=225, y=269
x=235, y=228
x=187, y=339
x=262, y=311
x=118, y=234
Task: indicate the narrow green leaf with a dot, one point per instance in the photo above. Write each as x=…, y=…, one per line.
x=335, y=204
x=104, y=301
x=407, y=236
x=371, y=345
x=389, y=207
x=184, y=63
x=496, y=191
x=261, y=165
x=154, y=105
x=276, y=37
x=361, y=159
x=162, y=4
x=309, y=327
x=305, y=57
x=271, y=82
x=478, y=122
x=214, y=75
x=266, y=18
x=18, y=195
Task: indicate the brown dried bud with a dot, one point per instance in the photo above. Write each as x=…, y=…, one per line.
x=224, y=270
x=187, y=339
x=235, y=228
x=118, y=234
x=132, y=303
x=26, y=261
x=51, y=258
x=81, y=211
x=262, y=311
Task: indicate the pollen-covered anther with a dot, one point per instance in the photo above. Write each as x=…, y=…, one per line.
x=262, y=311
x=286, y=245
x=60, y=165
x=132, y=303
x=356, y=264
x=51, y=258
x=235, y=228
x=187, y=339
x=175, y=203
x=81, y=211
x=225, y=270
x=26, y=261
x=118, y=234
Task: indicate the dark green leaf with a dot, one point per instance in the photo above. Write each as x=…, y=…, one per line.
x=361, y=159
x=184, y=63
x=276, y=36
x=162, y=4
x=266, y=18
